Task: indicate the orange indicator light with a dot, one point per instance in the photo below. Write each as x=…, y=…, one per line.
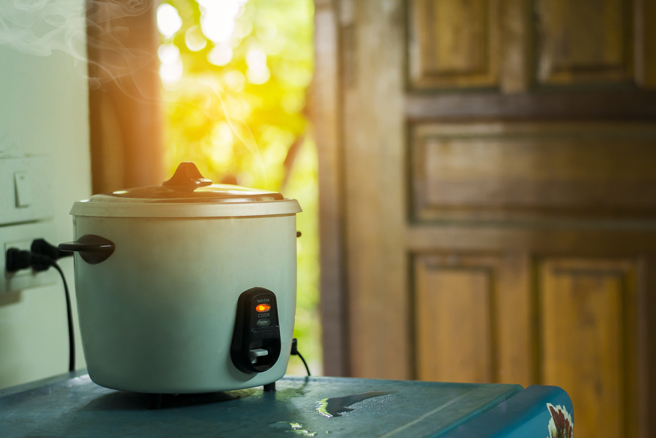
x=263, y=307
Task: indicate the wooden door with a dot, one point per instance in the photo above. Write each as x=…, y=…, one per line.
x=488, y=196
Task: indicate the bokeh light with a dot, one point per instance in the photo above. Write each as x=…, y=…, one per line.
x=195, y=39
x=218, y=18
x=168, y=20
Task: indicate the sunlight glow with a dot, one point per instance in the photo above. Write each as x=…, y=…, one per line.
x=195, y=39
x=168, y=53
x=220, y=55
x=235, y=80
x=218, y=19
x=222, y=139
x=258, y=72
x=267, y=31
x=168, y=20
x=171, y=67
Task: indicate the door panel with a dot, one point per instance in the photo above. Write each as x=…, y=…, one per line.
x=467, y=310
x=583, y=41
x=533, y=170
x=587, y=311
x=454, y=297
x=454, y=43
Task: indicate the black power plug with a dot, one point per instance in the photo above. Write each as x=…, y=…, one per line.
x=41, y=257
x=41, y=246
x=17, y=259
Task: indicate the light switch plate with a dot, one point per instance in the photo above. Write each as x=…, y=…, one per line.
x=26, y=189
x=23, y=188
x=21, y=236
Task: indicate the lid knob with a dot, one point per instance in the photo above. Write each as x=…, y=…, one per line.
x=186, y=178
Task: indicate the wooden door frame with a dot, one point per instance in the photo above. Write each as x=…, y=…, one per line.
x=326, y=115
x=348, y=350
x=125, y=115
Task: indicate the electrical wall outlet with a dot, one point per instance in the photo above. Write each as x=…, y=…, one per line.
x=26, y=213
x=21, y=236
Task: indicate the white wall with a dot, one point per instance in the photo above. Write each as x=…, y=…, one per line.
x=44, y=110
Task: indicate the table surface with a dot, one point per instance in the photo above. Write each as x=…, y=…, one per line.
x=72, y=405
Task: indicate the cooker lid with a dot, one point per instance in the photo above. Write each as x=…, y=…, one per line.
x=187, y=194
x=188, y=185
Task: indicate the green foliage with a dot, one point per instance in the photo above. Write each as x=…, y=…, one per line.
x=241, y=127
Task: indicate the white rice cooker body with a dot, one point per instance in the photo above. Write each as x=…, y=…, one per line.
x=158, y=315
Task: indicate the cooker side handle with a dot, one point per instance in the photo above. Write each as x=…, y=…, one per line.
x=93, y=249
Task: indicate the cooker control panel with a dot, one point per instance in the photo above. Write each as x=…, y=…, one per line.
x=256, y=338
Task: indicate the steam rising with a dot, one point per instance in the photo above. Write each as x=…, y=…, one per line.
x=42, y=27
x=61, y=27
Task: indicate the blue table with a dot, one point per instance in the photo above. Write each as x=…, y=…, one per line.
x=72, y=405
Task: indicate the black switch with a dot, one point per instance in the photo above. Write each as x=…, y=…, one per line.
x=256, y=339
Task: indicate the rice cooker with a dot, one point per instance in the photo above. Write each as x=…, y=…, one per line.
x=186, y=287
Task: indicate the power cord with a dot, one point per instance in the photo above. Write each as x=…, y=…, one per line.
x=69, y=316
x=297, y=353
x=41, y=257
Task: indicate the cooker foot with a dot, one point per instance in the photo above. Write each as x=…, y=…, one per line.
x=270, y=387
x=155, y=401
